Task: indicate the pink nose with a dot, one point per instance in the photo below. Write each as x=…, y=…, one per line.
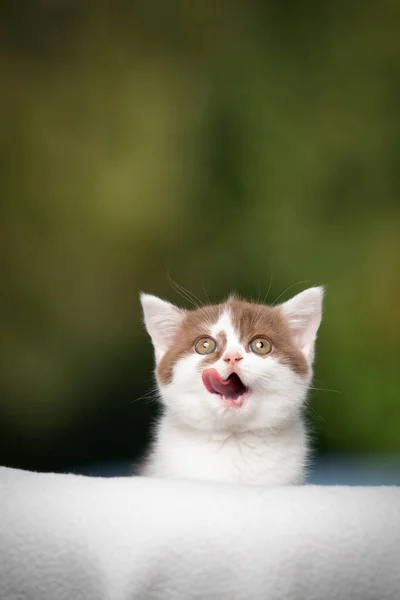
x=232, y=358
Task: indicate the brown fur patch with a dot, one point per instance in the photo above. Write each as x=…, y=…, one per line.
x=196, y=323
x=209, y=359
x=249, y=320
x=252, y=320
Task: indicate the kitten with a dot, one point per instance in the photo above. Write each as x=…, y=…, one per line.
x=233, y=379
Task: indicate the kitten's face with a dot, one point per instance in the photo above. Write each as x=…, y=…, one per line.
x=235, y=365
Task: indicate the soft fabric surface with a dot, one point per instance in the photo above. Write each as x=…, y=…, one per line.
x=73, y=537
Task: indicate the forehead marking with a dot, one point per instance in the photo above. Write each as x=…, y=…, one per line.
x=225, y=323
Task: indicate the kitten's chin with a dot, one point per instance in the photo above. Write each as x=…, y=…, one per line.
x=237, y=402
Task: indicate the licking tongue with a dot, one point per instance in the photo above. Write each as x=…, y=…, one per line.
x=231, y=388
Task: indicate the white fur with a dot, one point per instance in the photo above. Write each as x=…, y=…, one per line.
x=161, y=319
x=201, y=437
x=304, y=313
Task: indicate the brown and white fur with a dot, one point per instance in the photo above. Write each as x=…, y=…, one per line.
x=259, y=438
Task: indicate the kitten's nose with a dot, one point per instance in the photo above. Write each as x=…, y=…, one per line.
x=232, y=357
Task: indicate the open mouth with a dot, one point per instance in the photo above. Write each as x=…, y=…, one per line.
x=232, y=389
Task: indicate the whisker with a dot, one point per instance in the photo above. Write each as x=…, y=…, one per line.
x=259, y=290
x=269, y=287
x=316, y=415
x=195, y=298
x=175, y=286
x=150, y=396
x=287, y=289
x=316, y=389
x=185, y=293
x=190, y=293
x=206, y=295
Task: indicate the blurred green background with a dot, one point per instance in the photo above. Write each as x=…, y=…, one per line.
x=230, y=145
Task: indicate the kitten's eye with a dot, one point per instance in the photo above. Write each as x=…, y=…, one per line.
x=260, y=345
x=205, y=345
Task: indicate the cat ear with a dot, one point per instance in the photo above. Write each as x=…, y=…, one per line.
x=161, y=320
x=304, y=313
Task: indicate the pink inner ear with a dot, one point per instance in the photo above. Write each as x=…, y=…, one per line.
x=304, y=338
x=303, y=313
x=298, y=334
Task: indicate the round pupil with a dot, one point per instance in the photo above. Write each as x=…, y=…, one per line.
x=260, y=344
x=205, y=344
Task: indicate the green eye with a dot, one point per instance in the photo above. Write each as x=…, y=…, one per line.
x=260, y=345
x=205, y=345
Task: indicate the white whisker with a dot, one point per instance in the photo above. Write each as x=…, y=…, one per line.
x=269, y=287
x=316, y=389
x=287, y=289
x=185, y=293
x=151, y=396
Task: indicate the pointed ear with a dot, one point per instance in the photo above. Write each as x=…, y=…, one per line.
x=161, y=320
x=303, y=313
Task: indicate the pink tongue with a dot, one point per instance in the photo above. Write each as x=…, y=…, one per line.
x=232, y=388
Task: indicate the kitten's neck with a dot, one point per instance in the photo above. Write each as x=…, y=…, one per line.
x=221, y=434
x=257, y=456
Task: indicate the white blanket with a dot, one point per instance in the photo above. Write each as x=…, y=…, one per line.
x=67, y=537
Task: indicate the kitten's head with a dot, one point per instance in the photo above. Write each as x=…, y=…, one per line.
x=235, y=365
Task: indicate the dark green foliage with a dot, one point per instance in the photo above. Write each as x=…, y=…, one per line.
x=231, y=145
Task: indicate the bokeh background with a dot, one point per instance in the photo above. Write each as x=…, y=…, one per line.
x=248, y=145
